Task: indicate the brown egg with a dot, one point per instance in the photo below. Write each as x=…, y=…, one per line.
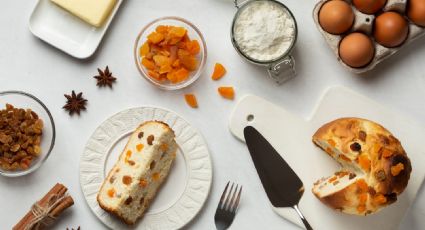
x=391, y=29
x=369, y=6
x=416, y=12
x=356, y=50
x=336, y=17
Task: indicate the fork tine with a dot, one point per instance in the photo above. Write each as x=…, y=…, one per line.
x=232, y=201
x=220, y=204
x=227, y=202
x=236, y=205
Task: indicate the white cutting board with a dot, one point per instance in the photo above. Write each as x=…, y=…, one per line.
x=291, y=136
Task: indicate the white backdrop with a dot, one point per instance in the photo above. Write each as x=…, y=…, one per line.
x=28, y=64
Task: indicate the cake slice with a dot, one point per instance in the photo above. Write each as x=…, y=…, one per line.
x=94, y=12
x=140, y=170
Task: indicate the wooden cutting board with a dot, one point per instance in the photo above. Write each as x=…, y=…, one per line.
x=291, y=136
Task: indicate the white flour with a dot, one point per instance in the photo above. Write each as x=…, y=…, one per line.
x=264, y=30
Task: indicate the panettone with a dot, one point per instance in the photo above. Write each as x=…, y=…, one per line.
x=375, y=167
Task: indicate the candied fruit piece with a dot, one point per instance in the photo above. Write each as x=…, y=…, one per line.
x=219, y=71
x=364, y=162
x=111, y=192
x=380, y=199
x=155, y=37
x=226, y=92
x=395, y=170
x=139, y=147
x=191, y=100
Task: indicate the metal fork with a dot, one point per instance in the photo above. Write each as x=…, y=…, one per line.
x=226, y=209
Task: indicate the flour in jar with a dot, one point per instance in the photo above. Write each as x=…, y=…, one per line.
x=264, y=30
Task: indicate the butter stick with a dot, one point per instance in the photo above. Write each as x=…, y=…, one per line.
x=94, y=12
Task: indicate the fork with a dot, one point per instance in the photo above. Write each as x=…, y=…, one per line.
x=226, y=209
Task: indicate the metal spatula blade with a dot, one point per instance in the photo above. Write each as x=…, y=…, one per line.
x=282, y=185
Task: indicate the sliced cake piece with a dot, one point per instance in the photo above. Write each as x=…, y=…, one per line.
x=140, y=170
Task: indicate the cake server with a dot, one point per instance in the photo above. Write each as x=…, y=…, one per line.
x=282, y=185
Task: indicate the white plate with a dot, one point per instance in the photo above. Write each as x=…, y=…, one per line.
x=291, y=136
x=65, y=31
x=184, y=192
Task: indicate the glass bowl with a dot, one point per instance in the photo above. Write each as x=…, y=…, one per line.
x=27, y=101
x=193, y=33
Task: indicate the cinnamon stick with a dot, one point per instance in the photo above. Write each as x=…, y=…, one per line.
x=58, y=191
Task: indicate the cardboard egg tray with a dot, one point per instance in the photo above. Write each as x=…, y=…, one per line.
x=364, y=23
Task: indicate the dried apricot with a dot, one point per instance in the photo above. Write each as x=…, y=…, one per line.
x=226, y=92
x=169, y=54
x=150, y=65
x=144, y=49
x=193, y=47
x=191, y=100
x=155, y=37
x=219, y=71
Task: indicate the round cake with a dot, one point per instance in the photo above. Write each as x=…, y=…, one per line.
x=375, y=167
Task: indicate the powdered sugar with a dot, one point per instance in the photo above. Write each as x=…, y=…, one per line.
x=264, y=30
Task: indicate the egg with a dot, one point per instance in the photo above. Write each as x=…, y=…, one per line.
x=336, y=17
x=356, y=50
x=391, y=29
x=369, y=6
x=416, y=12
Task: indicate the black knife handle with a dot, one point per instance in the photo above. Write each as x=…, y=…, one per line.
x=305, y=222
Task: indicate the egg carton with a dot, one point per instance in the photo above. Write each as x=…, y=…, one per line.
x=364, y=23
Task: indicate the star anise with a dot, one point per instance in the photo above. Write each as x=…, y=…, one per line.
x=105, y=78
x=75, y=103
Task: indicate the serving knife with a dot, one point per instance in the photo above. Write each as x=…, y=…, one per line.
x=282, y=185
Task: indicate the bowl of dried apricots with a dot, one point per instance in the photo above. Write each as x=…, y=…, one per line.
x=170, y=52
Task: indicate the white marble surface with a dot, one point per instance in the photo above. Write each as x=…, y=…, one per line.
x=28, y=64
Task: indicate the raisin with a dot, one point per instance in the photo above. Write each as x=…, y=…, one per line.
x=140, y=135
x=152, y=165
x=150, y=139
x=128, y=200
x=112, y=179
x=130, y=162
x=355, y=147
x=351, y=176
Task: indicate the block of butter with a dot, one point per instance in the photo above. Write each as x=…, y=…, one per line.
x=94, y=12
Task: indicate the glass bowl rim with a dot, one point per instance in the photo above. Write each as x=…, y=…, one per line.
x=52, y=142
x=198, y=72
